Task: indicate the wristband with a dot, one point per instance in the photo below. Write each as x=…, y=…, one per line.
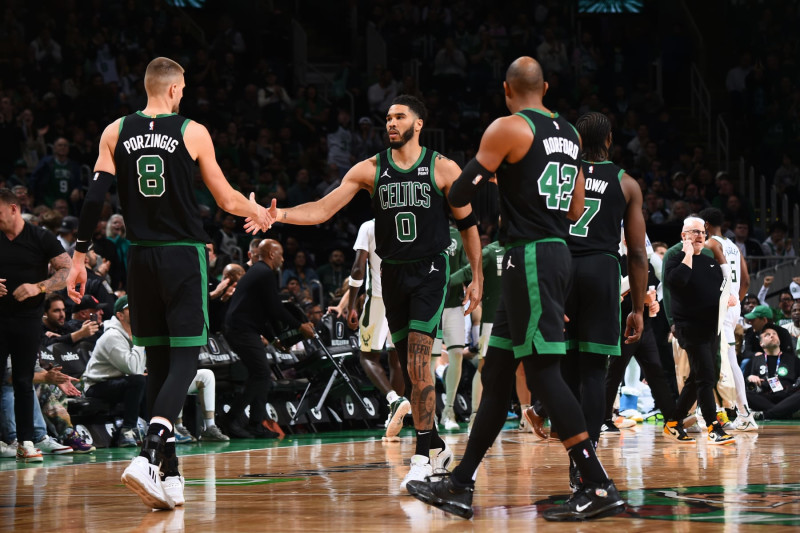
x=356, y=282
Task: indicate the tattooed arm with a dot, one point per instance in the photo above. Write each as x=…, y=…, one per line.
x=60, y=265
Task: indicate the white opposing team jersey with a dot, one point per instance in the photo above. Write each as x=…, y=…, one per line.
x=366, y=241
x=733, y=257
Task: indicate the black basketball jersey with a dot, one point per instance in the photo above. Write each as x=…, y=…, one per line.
x=598, y=229
x=154, y=180
x=535, y=192
x=410, y=210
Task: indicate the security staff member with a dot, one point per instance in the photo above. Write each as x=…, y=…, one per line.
x=25, y=253
x=254, y=307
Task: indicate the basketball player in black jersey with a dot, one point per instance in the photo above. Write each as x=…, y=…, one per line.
x=408, y=184
x=153, y=154
x=593, y=306
x=534, y=154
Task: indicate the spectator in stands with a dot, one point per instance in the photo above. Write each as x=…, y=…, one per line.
x=314, y=313
x=114, y=247
x=97, y=278
x=253, y=307
x=301, y=191
x=115, y=372
x=19, y=173
x=380, y=94
x=42, y=442
x=366, y=142
x=252, y=253
x=294, y=293
x=90, y=309
x=340, y=144
x=552, y=54
x=57, y=176
x=778, y=244
x=793, y=327
x=54, y=324
x=225, y=240
x=220, y=295
x=772, y=379
x=301, y=270
x=333, y=273
x=68, y=233
x=55, y=388
x=205, y=384
x=761, y=317
x=654, y=209
x=741, y=238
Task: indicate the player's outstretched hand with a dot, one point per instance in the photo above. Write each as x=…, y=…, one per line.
x=77, y=275
x=263, y=221
x=473, y=295
x=634, y=325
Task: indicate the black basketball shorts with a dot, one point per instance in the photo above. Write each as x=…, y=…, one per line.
x=530, y=314
x=413, y=294
x=168, y=294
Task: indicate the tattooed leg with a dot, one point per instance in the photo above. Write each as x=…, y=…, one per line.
x=423, y=391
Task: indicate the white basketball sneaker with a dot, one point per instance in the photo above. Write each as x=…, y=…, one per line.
x=419, y=471
x=173, y=486
x=143, y=478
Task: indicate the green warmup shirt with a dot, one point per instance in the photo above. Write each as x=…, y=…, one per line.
x=455, y=292
x=492, y=255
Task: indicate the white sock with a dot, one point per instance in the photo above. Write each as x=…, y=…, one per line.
x=391, y=397
x=476, y=334
x=209, y=422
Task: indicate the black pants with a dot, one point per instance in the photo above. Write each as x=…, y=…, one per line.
x=646, y=353
x=585, y=374
x=19, y=338
x=250, y=349
x=701, y=347
x=778, y=406
x=129, y=390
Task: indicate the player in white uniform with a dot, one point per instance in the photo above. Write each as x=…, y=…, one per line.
x=374, y=329
x=729, y=257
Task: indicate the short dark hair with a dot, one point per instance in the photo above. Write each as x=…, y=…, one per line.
x=52, y=297
x=8, y=197
x=414, y=104
x=713, y=216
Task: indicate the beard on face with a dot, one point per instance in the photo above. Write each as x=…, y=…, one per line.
x=405, y=136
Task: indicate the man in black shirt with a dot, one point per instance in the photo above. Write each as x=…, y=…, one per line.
x=54, y=324
x=760, y=318
x=25, y=253
x=695, y=281
x=254, y=306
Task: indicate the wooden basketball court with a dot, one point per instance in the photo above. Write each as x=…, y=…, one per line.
x=350, y=482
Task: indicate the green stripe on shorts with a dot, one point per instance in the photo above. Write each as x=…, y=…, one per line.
x=533, y=336
x=500, y=342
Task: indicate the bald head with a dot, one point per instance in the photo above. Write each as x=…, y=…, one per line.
x=233, y=272
x=524, y=76
x=271, y=252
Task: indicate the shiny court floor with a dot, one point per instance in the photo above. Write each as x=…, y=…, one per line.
x=349, y=481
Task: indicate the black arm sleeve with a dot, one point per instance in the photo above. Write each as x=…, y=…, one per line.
x=92, y=207
x=462, y=190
